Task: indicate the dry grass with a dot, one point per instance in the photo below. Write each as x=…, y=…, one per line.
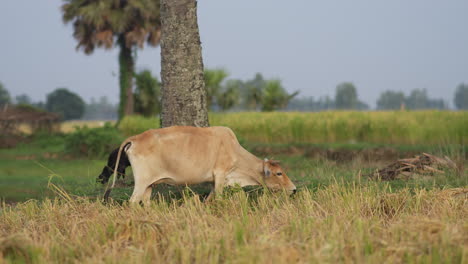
x=338, y=223
x=70, y=126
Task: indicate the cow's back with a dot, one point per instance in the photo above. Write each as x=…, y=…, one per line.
x=186, y=155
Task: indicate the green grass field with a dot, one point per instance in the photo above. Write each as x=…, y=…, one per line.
x=52, y=212
x=27, y=170
x=29, y=179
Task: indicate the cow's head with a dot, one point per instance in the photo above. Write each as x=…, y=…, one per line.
x=275, y=178
x=108, y=170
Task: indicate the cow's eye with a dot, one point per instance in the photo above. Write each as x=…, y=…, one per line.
x=279, y=173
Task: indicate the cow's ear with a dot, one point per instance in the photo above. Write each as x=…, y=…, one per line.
x=266, y=168
x=275, y=162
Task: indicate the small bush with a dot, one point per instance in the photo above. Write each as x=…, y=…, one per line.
x=29, y=108
x=93, y=142
x=132, y=125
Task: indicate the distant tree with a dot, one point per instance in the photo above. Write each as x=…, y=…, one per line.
x=4, y=95
x=40, y=105
x=436, y=104
x=346, y=96
x=229, y=95
x=23, y=99
x=461, y=97
x=68, y=104
x=302, y=104
x=362, y=106
x=253, y=92
x=147, y=94
x=325, y=103
x=100, y=110
x=105, y=23
x=28, y=107
x=213, y=82
x=417, y=99
x=275, y=96
x=390, y=100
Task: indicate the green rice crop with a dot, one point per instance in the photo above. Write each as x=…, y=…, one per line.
x=392, y=127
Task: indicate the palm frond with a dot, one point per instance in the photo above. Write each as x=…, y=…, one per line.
x=136, y=37
x=98, y=22
x=105, y=38
x=154, y=37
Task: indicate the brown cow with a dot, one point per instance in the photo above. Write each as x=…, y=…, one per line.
x=182, y=155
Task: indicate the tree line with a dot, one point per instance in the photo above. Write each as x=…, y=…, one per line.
x=223, y=94
x=255, y=94
x=346, y=97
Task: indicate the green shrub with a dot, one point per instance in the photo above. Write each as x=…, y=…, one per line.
x=132, y=125
x=93, y=142
x=29, y=108
x=48, y=142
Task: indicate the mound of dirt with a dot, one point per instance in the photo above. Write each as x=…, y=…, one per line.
x=424, y=164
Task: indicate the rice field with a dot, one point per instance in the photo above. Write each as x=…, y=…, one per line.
x=395, y=127
x=51, y=209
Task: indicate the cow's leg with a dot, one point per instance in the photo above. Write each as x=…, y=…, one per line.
x=219, y=182
x=143, y=180
x=218, y=187
x=138, y=193
x=211, y=195
x=147, y=195
x=224, y=165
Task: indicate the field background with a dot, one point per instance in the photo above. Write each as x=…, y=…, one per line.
x=392, y=127
x=339, y=214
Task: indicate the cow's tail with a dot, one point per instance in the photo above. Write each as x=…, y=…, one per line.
x=125, y=145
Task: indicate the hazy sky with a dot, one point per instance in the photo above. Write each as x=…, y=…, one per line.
x=310, y=45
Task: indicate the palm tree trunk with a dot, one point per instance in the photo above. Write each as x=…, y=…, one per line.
x=127, y=66
x=183, y=86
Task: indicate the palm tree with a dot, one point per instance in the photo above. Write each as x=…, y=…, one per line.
x=275, y=96
x=125, y=23
x=254, y=92
x=4, y=95
x=147, y=94
x=213, y=80
x=229, y=96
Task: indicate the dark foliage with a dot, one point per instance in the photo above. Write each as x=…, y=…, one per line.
x=65, y=103
x=93, y=142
